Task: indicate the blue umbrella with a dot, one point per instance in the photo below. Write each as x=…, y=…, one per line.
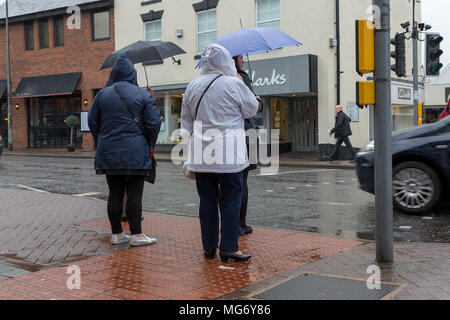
x=251, y=41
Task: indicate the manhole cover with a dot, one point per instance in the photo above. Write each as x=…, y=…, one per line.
x=317, y=287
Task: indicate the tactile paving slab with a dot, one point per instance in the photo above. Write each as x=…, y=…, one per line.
x=318, y=287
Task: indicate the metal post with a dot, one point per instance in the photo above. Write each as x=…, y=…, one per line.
x=415, y=36
x=383, y=137
x=8, y=80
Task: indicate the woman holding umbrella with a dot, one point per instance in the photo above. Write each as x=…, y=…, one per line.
x=123, y=154
x=249, y=124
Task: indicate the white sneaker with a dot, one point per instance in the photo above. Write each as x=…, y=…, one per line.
x=141, y=241
x=120, y=238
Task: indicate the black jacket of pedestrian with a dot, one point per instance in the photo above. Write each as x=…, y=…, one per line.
x=342, y=127
x=249, y=123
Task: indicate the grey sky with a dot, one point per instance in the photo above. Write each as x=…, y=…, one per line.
x=435, y=13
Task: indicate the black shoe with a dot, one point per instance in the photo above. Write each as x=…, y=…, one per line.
x=325, y=158
x=245, y=230
x=210, y=254
x=353, y=161
x=226, y=256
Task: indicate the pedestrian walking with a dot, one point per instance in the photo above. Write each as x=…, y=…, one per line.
x=342, y=132
x=250, y=124
x=123, y=154
x=220, y=101
x=446, y=111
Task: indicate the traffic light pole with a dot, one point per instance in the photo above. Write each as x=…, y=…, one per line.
x=415, y=36
x=383, y=137
x=8, y=75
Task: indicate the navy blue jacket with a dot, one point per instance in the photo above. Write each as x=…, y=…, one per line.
x=120, y=143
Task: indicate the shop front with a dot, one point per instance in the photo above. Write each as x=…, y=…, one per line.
x=49, y=100
x=403, y=104
x=288, y=88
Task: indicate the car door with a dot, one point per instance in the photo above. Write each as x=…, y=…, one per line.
x=442, y=145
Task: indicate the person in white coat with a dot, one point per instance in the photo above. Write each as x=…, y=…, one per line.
x=213, y=112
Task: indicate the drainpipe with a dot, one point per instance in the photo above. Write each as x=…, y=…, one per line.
x=338, y=55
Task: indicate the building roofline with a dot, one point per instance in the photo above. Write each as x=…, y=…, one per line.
x=56, y=12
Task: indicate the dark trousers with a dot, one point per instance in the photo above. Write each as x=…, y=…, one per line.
x=244, y=205
x=339, y=142
x=229, y=202
x=134, y=187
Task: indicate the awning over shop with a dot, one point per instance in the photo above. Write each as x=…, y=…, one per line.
x=3, y=86
x=51, y=85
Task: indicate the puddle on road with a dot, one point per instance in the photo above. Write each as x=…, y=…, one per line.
x=20, y=264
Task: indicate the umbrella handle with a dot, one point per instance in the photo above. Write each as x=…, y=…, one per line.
x=146, y=76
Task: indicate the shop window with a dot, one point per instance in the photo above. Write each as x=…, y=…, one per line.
x=100, y=26
x=59, y=31
x=153, y=31
x=268, y=13
x=47, y=127
x=206, y=28
x=43, y=34
x=29, y=35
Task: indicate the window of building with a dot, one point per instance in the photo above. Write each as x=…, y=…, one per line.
x=207, y=28
x=43, y=34
x=59, y=31
x=29, y=35
x=100, y=26
x=268, y=13
x=153, y=31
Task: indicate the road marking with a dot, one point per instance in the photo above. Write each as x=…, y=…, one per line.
x=308, y=185
x=32, y=189
x=291, y=188
x=86, y=194
x=269, y=191
x=405, y=227
x=341, y=181
x=336, y=203
x=190, y=204
x=291, y=172
x=427, y=218
x=325, y=183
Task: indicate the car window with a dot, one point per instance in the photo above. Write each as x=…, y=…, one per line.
x=445, y=130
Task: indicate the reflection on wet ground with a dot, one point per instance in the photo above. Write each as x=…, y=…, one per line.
x=321, y=201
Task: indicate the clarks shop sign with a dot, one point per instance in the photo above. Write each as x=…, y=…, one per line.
x=283, y=76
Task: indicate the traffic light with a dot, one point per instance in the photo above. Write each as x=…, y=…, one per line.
x=433, y=54
x=365, y=93
x=399, y=55
x=365, y=47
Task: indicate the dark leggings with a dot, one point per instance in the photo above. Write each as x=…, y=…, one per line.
x=243, y=215
x=134, y=186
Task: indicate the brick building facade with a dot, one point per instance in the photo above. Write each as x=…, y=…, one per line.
x=45, y=65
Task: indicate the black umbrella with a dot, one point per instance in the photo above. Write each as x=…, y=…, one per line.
x=144, y=51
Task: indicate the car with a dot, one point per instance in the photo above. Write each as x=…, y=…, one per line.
x=421, y=167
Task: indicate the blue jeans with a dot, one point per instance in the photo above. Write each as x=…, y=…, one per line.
x=339, y=142
x=229, y=202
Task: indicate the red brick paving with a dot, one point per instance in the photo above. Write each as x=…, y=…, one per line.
x=174, y=268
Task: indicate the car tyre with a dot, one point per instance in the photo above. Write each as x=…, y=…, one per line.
x=414, y=178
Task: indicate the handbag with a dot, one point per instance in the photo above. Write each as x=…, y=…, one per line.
x=151, y=178
x=189, y=174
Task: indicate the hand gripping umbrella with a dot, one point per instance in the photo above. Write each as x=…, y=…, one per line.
x=145, y=51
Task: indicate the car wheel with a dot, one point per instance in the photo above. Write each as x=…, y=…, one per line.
x=416, y=187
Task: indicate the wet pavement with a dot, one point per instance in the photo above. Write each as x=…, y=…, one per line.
x=321, y=201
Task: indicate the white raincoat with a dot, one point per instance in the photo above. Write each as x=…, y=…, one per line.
x=218, y=146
